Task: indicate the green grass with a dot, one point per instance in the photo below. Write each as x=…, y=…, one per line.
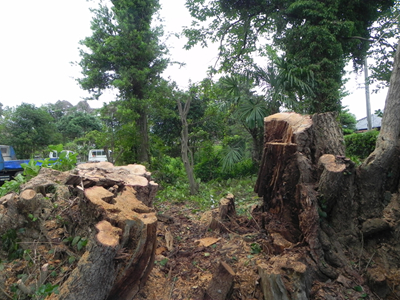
x=211, y=192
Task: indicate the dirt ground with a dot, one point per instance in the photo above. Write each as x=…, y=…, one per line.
x=184, y=269
x=188, y=252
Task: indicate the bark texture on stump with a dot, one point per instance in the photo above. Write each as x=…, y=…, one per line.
x=299, y=151
x=93, y=278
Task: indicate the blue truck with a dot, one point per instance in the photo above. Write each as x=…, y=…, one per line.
x=10, y=166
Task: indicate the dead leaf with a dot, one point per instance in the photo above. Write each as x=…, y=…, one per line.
x=208, y=241
x=160, y=250
x=344, y=281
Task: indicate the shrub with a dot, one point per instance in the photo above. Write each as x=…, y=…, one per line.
x=168, y=169
x=360, y=145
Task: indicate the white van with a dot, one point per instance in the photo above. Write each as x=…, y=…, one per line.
x=97, y=155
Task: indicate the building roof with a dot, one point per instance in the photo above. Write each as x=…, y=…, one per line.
x=362, y=124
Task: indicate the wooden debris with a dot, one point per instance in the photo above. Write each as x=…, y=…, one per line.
x=169, y=241
x=285, y=278
x=208, y=241
x=221, y=285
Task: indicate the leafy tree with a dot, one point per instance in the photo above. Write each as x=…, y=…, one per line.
x=317, y=35
x=384, y=39
x=59, y=109
x=77, y=124
x=241, y=103
x=347, y=120
x=124, y=53
x=29, y=129
x=285, y=84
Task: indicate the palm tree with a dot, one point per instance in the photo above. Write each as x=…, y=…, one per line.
x=284, y=85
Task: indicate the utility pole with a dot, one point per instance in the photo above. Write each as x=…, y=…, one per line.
x=367, y=94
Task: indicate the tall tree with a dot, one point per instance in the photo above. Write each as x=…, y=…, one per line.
x=124, y=53
x=183, y=101
x=319, y=35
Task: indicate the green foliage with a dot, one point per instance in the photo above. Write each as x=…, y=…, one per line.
x=222, y=163
x=65, y=161
x=46, y=290
x=211, y=192
x=31, y=169
x=379, y=113
x=12, y=185
x=385, y=36
x=314, y=35
x=255, y=248
x=77, y=241
x=169, y=170
x=76, y=124
x=360, y=145
x=32, y=129
x=10, y=244
x=348, y=121
x=124, y=53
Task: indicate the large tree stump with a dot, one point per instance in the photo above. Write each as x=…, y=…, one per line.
x=121, y=254
x=302, y=155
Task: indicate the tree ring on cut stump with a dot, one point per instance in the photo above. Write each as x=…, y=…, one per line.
x=108, y=235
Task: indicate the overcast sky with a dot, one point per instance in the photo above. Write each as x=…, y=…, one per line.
x=40, y=38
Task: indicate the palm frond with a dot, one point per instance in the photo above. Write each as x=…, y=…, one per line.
x=231, y=157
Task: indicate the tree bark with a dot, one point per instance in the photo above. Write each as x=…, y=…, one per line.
x=187, y=155
x=93, y=278
x=288, y=181
x=380, y=172
x=143, y=147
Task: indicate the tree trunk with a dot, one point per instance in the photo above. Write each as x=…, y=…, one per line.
x=379, y=173
x=143, y=147
x=298, y=152
x=187, y=155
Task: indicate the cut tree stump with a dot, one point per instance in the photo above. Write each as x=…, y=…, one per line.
x=221, y=285
x=285, y=278
x=227, y=207
x=226, y=213
x=116, y=204
x=300, y=179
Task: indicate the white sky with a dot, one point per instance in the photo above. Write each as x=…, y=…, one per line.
x=40, y=38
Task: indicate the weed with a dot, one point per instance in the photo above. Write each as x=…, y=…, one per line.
x=32, y=217
x=206, y=199
x=46, y=290
x=77, y=241
x=12, y=185
x=10, y=242
x=255, y=248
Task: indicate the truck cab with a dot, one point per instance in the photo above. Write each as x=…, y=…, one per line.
x=8, y=152
x=96, y=155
